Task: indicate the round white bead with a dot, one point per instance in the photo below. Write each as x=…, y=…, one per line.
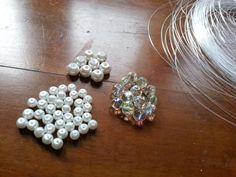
x=85, y=71
x=50, y=109
x=74, y=134
x=53, y=90
x=32, y=102
x=51, y=99
x=61, y=95
x=57, y=143
x=105, y=68
x=42, y=104
x=21, y=122
x=86, y=117
x=60, y=124
x=49, y=128
x=28, y=113
x=82, y=92
x=58, y=103
x=73, y=69
x=47, y=119
x=101, y=56
x=92, y=124
x=39, y=132
x=88, y=99
x=93, y=63
x=83, y=129
x=74, y=94
x=78, y=111
x=68, y=101
x=43, y=95
x=70, y=126
x=68, y=117
x=62, y=133
x=66, y=108
x=71, y=87
x=57, y=115
x=87, y=107
x=97, y=75
x=79, y=102
x=39, y=114
x=77, y=120
x=88, y=53
x=81, y=60
x=47, y=138
x=62, y=87
x=32, y=125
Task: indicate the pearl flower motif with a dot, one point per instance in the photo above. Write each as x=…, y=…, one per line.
x=61, y=112
x=90, y=64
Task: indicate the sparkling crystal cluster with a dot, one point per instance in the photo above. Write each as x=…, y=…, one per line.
x=133, y=99
x=58, y=113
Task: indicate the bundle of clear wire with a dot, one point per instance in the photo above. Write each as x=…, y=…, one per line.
x=199, y=41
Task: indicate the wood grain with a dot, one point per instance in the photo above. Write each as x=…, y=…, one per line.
x=39, y=38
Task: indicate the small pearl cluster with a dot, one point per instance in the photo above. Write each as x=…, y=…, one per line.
x=90, y=65
x=62, y=111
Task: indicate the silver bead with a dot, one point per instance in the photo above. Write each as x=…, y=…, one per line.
x=101, y=56
x=47, y=119
x=50, y=109
x=21, y=122
x=57, y=115
x=93, y=63
x=61, y=95
x=71, y=87
x=88, y=99
x=66, y=108
x=60, y=124
x=57, y=143
x=32, y=102
x=73, y=69
x=86, y=117
x=32, y=125
x=74, y=94
x=53, y=90
x=88, y=53
x=62, y=87
x=83, y=129
x=105, y=68
x=87, y=107
x=68, y=117
x=47, y=138
x=39, y=132
x=85, y=71
x=81, y=60
x=70, y=126
x=97, y=75
x=39, y=114
x=68, y=101
x=92, y=124
x=78, y=111
x=28, y=113
x=51, y=99
x=74, y=134
x=77, y=120
x=49, y=128
x=58, y=103
x=62, y=133
x=79, y=102
x=82, y=92
x=43, y=95
x=42, y=104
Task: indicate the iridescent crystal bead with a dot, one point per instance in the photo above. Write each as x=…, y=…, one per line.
x=124, y=81
x=127, y=108
x=127, y=96
x=150, y=110
x=153, y=99
x=139, y=101
x=132, y=76
x=116, y=103
x=150, y=90
x=135, y=90
x=117, y=90
x=141, y=82
x=139, y=115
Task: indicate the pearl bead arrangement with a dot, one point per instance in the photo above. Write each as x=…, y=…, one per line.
x=134, y=100
x=59, y=113
x=90, y=65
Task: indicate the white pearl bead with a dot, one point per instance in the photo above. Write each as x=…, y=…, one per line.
x=83, y=129
x=32, y=102
x=53, y=90
x=57, y=143
x=81, y=60
x=49, y=128
x=85, y=71
x=47, y=119
x=58, y=103
x=42, y=104
x=73, y=69
x=47, y=138
x=39, y=132
x=28, y=113
x=88, y=53
x=39, y=114
x=51, y=99
x=66, y=108
x=77, y=120
x=71, y=87
x=97, y=75
x=21, y=122
x=101, y=56
x=79, y=102
x=61, y=95
x=92, y=124
x=88, y=99
x=69, y=126
x=86, y=117
x=82, y=92
x=50, y=109
x=43, y=95
x=105, y=68
x=68, y=117
x=57, y=115
x=32, y=125
x=93, y=63
x=60, y=124
x=87, y=107
x=62, y=133
x=74, y=94
x=74, y=134
x=68, y=101
x=78, y=111
x=62, y=87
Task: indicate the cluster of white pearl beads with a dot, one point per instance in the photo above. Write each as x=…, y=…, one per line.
x=90, y=64
x=63, y=111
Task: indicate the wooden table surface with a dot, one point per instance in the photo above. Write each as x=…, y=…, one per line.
x=39, y=38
